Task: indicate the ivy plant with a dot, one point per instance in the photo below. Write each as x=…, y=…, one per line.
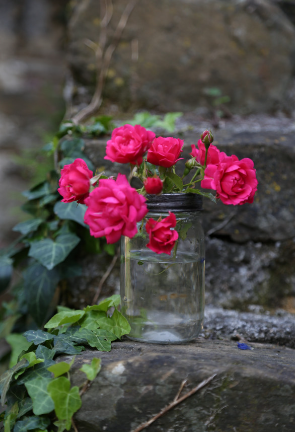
x=37, y=391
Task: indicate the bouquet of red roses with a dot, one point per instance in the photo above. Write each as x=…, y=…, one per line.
x=114, y=207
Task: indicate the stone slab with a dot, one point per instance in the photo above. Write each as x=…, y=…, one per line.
x=254, y=391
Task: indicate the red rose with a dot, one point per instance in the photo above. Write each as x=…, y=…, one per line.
x=153, y=185
x=234, y=180
x=165, y=152
x=213, y=155
x=162, y=238
x=75, y=181
x=114, y=208
x=128, y=144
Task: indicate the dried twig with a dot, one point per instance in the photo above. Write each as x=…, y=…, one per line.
x=105, y=276
x=74, y=426
x=180, y=390
x=174, y=403
x=104, y=57
x=221, y=225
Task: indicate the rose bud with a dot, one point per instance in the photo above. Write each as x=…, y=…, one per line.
x=207, y=138
x=191, y=163
x=153, y=185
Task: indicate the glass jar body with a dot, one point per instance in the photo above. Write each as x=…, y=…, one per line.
x=162, y=296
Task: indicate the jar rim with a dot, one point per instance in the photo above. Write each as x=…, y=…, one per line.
x=180, y=202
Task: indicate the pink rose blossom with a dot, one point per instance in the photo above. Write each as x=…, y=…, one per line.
x=213, y=155
x=165, y=152
x=74, y=183
x=128, y=144
x=114, y=208
x=162, y=237
x=234, y=180
x=153, y=185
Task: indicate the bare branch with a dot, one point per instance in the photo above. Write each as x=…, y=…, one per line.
x=105, y=59
x=174, y=403
x=105, y=276
x=180, y=390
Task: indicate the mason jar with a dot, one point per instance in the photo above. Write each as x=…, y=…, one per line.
x=162, y=296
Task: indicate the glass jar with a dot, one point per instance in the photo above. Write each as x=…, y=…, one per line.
x=162, y=296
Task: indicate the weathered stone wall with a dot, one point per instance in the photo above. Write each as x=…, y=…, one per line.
x=31, y=85
x=172, y=49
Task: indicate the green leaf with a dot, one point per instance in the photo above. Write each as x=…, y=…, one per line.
x=45, y=353
x=10, y=420
x=38, y=191
x=25, y=406
x=71, y=211
x=48, y=199
x=66, y=400
x=92, y=370
x=37, y=336
x=32, y=360
x=18, y=344
x=39, y=370
x=66, y=317
x=28, y=226
x=184, y=229
x=199, y=192
x=72, y=145
x=33, y=208
x=30, y=423
x=37, y=389
x=40, y=285
x=168, y=185
x=104, y=305
x=98, y=339
x=176, y=180
x=59, y=369
x=168, y=122
x=5, y=272
x=110, y=248
x=212, y=91
x=90, y=318
x=116, y=324
x=61, y=425
x=50, y=253
x=6, y=378
x=144, y=119
x=64, y=345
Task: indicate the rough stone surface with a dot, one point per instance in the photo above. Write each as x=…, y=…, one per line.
x=250, y=256
x=254, y=391
x=169, y=53
x=254, y=327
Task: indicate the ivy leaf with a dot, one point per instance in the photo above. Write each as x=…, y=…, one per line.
x=50, y=253
x=6, y=378
x=10, y=420
x=176, y=180
x=71, y=211
x=39, y=370
x=38, y=191
x=116, y=324
x=45, y=353
x=63, y=345
x=37, y=336
x=61, y=425
x=104, y=305
x=30, y=423
x=59, y=369
x=90, y=318
x=99, y=339
x=65, y=317
x=199, y=192
x=25, y=406
x=28, y=226
x=72, y=145
x=66, y=400
x=184, y=229
x=18, y=344
x=37, y=389
x=5, y=272
x=47, y=199
x=92, y=370
x=32, y=360
x=168, y=122
x=40, y=285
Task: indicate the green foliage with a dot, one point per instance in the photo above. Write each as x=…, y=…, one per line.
x=5, y=272
x=200, y=192
x=148, y=120
x=70, y=211
x=66, y=399
x=37, y=385
x=28, y=226
x=176, y=180
x=18, y=344
x=93, y=369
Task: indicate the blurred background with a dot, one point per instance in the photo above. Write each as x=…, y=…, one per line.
x=226, y=65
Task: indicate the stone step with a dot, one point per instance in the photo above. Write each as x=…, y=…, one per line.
x=253, y=391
